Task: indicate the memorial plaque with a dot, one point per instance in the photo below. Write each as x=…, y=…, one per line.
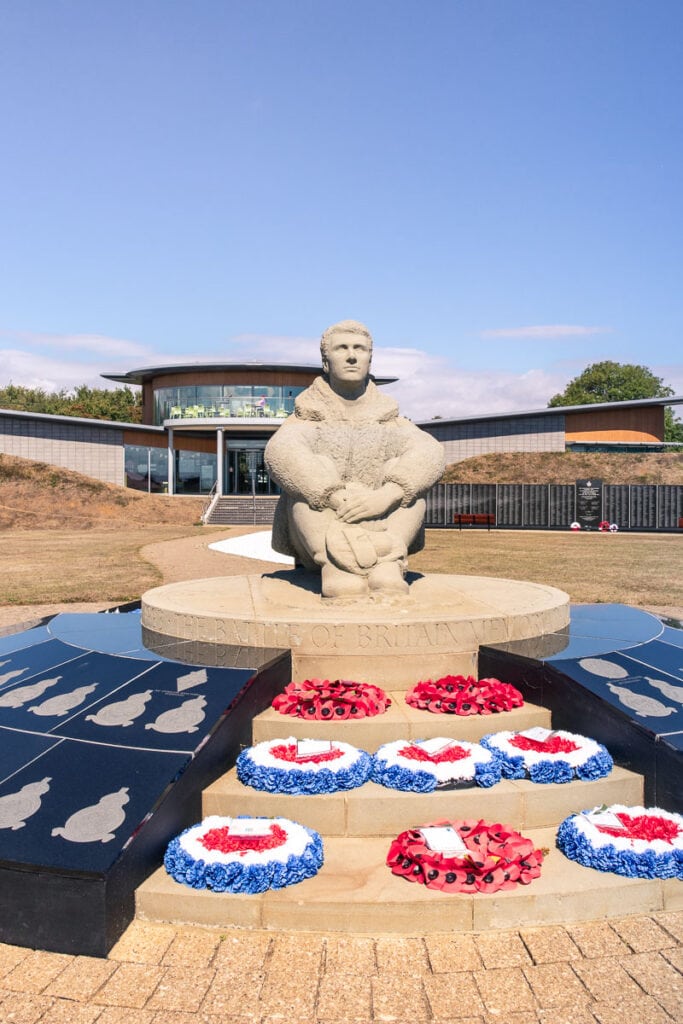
x=616, y=505
x=670, y=506
x=561, y=505
x=644, y=507
x=535, y=505
x=510, y=511
x=589, y=503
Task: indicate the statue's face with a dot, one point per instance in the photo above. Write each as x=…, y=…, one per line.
x=347, y=359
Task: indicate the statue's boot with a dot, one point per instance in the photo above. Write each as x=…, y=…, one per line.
x=387, y=577
x=337, y=583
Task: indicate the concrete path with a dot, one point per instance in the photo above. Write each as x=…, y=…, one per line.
x=623, y=972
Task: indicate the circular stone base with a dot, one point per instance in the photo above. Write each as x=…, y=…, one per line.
x=435, y=630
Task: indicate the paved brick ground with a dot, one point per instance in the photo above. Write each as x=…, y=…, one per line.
x=626, y=971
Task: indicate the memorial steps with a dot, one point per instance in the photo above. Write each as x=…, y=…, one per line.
x=355, y=892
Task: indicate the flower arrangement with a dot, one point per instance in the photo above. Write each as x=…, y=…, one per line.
x=321, y=700
x=465, y=857
x=545, y=756
x=244, y=855
x=303, y=766
x=638, y=842
x=422, y=766
x=464, y=695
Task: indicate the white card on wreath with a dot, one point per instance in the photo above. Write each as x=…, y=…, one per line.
x=444, y=839
x=308, y=748
x=434, y=746
x=607, y=819
x=538, y=733
x=247, y=827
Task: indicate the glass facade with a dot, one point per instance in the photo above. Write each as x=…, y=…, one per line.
x=224, y=400
x=146, y=468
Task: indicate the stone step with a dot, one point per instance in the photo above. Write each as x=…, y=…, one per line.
x=355, y=892
x=373, y=810
x=399, y=721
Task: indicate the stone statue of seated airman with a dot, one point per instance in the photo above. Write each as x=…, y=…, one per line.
x=352, y=473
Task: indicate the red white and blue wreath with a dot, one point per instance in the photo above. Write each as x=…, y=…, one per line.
x=421, y=766
x=244, y=854
x=303, y=766
x=545, y=755
x=638, y=842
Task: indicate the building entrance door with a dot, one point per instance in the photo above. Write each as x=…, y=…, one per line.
x=240, y=462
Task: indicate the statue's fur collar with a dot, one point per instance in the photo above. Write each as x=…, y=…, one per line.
x=319, y=402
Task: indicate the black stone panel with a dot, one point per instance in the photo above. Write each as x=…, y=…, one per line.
x=90, y=794
x=614, y=676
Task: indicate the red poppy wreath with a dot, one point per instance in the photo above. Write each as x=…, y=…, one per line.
x=464, y=695
x=321, y=700
x=465, y=857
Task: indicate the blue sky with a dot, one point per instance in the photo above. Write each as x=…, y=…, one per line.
x=493, y=186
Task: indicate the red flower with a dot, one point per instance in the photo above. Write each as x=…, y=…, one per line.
x=460, y=695
x=321, y=700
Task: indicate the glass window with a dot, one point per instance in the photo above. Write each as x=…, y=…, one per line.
x=231, y=401
x=146, y=468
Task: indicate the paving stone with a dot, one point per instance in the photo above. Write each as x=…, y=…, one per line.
x=451, y=953
x=10, y=956
x=502, y=949
x=450, y=995
x=350, y=955
x=556, y=985
x=119, y=1015
x=566, y=1015
x=675, y=957
x=639, y=1011
x=130, y=985
x=36, y=972
x=523, y=1017
x=607, y=981
x=345, y=995
x=299, y=949
x=399, y=996
x=289, y=994
x=642, y=934
x=672, y=921
x=596, y=939
x=20, y=1008
x=65, y=1011
x=143, y=943
x=82, y=978
x=398, y=955
x=176, y=1017
x=235, y=993
x=192, y=947
x=244, y=952
x=182, y=988
x=659, y=979
x=550, y=945
x=505, y=990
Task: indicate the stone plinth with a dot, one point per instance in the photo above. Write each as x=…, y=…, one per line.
x=437, y=629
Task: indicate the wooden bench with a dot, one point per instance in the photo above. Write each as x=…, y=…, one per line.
x=486, y=519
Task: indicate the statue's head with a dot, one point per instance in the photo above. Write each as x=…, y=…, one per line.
x=349, y=332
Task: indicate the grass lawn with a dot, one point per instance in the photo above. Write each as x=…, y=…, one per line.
x=54, y=566
x=637, y=569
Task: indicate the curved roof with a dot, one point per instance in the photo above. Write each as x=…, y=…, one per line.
x=147, y=373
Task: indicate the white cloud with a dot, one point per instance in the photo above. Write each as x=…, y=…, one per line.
x=544, y=331
x=428, y=385
x=104, y=347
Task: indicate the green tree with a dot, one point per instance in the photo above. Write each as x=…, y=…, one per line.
x=122, y=405
x=619, y=382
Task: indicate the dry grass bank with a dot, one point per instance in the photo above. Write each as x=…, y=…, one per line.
x=566, y=467
x=35, y=495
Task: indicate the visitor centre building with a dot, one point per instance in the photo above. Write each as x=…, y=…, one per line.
x=205, y=427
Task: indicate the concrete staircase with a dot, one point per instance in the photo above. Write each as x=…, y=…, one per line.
x=355, y=891
x=240, y=510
